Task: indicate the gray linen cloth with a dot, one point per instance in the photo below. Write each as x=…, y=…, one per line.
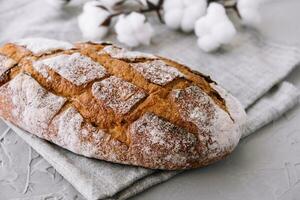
x=248, y=68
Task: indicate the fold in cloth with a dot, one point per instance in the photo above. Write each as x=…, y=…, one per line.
x=248, y=68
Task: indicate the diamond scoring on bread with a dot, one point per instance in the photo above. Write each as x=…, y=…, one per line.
x=157, y=71
x=161, y=115
x=124, y=54
x=117, y=94
x=76, y=68
x=197, y=107
x=43, y=45
x=6, y=63
x=150, y=132
x=31, y=106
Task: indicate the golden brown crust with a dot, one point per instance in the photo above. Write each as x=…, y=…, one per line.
x=124, y=110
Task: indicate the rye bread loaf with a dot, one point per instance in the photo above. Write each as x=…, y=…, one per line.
x=105, y=102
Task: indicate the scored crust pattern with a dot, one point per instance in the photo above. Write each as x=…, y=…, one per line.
x=6, y=64
x=197, y=107
x=32, y=106
x=157, y=71
x=76, y=68
x=123, y=54
x=43, y=45
x=118, y=94
x=151, y=132
x=153, y=113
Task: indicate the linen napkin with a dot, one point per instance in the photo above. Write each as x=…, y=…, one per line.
x=248, y=68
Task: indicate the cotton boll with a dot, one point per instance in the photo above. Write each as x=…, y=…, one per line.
x=182, y=14
x=250, y=16
x=216, y=9
x=89, y=26
x=133, y=30
x=202, y=26
x=91, y=6
x=145, y=34
x=123, y=26
x=125, y=32
x=199, y=4
x=171, y=4
x=135, y=21
x=249, y=11
x=216, y=12
x=224, y=32
x=58, y=3
x=90, y=19
x=208, y=44
x=190, y=16
x=214, y=29
x=128, y=40
x=173, y=18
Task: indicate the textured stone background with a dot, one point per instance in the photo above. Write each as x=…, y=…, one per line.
x=266, y=165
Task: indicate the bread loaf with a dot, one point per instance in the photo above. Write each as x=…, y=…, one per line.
x=105, y=102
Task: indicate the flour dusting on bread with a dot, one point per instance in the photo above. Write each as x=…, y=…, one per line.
x=197, y=107
x=148, y=111
x=43, y=45
x=76, y=68
x=5, y=64
x=70, y=128
x=118, y=94
x=124, y=54
x=73, y=133
x=33, y=105
x=150, y=133
x=157, y=71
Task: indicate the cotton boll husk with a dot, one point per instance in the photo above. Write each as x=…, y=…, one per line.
x=208, y=43
x=173, y=18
